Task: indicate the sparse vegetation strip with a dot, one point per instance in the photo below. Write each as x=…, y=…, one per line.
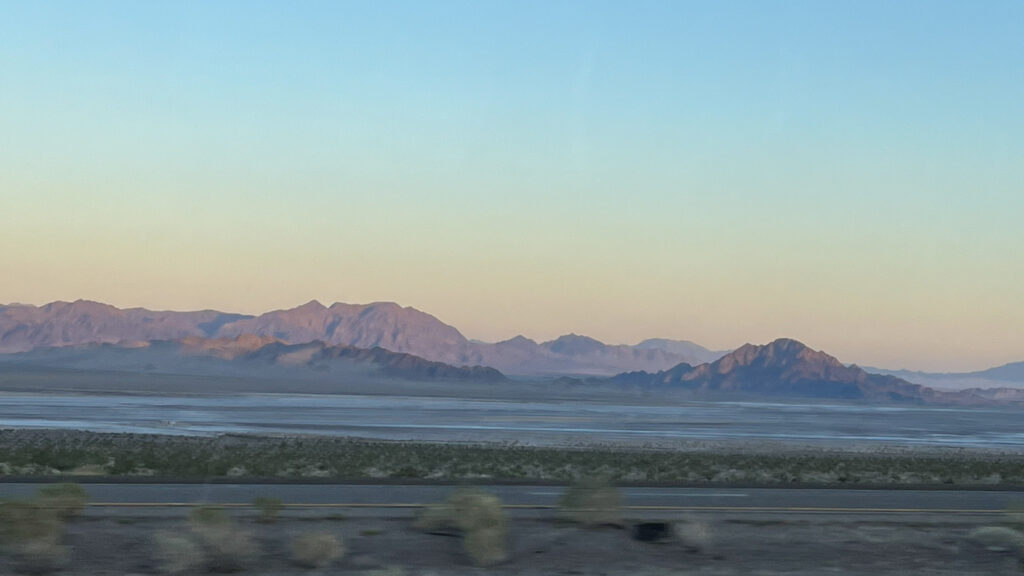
x=27, y=453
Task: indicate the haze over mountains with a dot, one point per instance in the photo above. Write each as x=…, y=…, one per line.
x=382, y=324
x=1006, y=376
x=345, y=344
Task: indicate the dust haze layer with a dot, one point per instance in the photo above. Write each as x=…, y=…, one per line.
x=1006, y=380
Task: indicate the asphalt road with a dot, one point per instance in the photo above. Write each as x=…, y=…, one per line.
x=380, y=497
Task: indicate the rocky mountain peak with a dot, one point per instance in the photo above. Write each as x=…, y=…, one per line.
x=311, y=306
x=518, y=341
x=574, y=344
x=780, y=353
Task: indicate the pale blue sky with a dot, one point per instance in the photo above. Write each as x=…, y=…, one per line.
x=846, y=173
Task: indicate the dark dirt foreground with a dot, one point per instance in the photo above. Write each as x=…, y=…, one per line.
x=709, y=544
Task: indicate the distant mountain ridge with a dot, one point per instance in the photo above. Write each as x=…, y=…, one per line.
x=381, y=324
x=24, y=327
x=695, y=352
x=579, y=355
x=1006, y=376
x=788, y=368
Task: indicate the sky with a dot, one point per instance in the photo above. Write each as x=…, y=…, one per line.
x=846, y=173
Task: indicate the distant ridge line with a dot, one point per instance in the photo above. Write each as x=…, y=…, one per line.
x=387, y=325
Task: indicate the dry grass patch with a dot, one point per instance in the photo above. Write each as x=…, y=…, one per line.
x=177, y=553
x=482, y=521
x=999, y=538
x=486, y=546
x=592, y=502
x=32, y=534
x=42, y=556
x=66, y=500
x=269, y=508
x=478, y=517
x=22, y=522
x=694, y=534
x=227, y=547
x=439, y=518
x=317, y=549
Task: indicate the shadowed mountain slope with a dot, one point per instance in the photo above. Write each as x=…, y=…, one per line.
x=250, y=356
x=784, y=368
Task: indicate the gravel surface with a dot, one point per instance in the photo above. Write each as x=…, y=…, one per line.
x=705, y=544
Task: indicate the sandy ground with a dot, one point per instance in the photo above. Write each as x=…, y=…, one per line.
x=712, y=545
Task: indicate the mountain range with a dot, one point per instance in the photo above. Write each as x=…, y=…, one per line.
x=1006, y=376
x=344, y=344
x=382, y=324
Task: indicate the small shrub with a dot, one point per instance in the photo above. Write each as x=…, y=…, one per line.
x=694, y=534
x=482, y=521
x=437, y=518
x=1015, y=515
x=591, y=502
x=177, y=554
x=24, y=522
x=32, y=533
x=317, y=549
x=66, y=500
x=475, y=509
x=42, y=556
x=227, y=547
x=486, y=546
x=207, y=516
x=999, y=538
x=270, y=509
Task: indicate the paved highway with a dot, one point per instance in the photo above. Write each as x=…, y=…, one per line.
x=387, y=496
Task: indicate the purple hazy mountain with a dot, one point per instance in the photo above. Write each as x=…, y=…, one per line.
x=24, y=327
x=1006, y=376
x=381, y=324
x=784, y=368
x=570, y=354
x=694, y=353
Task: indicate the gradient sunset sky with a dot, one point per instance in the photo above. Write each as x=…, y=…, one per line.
x=847, y=173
